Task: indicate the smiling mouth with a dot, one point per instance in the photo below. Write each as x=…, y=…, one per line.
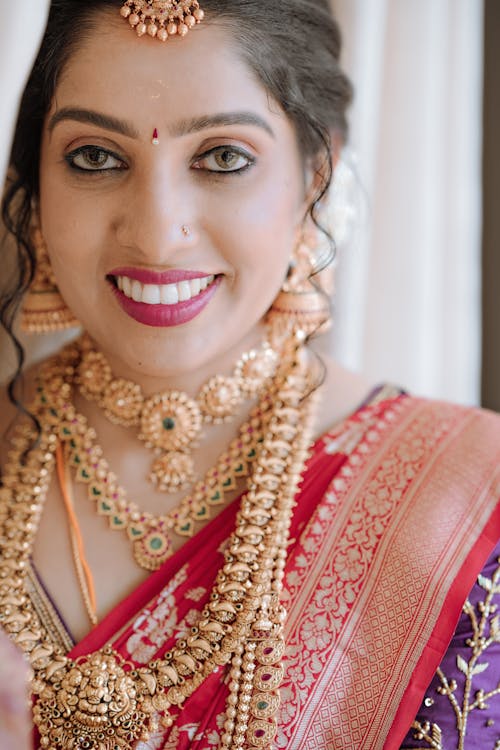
x=162, y=294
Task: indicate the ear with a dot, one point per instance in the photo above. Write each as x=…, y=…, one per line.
x=319, y=170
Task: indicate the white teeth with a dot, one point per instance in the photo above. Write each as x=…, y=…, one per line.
x=206, y=281
x=137, y=291
x=184, y=291
x=195, y=285
x=165, y=294
x=169, y=294
x=151, y=294
x=126, y=285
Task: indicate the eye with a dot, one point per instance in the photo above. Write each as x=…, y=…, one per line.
x=224, y=159
x=93, y=159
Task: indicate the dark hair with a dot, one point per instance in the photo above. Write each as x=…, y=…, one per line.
x=293, y=47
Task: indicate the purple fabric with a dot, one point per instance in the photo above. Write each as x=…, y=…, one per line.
x=482, y=725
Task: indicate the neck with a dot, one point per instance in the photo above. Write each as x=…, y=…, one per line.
x=188, y=381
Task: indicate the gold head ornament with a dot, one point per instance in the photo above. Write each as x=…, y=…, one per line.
x=160, y=20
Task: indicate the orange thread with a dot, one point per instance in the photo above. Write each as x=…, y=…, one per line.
x=64, y=484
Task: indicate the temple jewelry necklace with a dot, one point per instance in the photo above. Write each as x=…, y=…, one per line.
x=148, y=534
x=170, y=422
x=99, y=700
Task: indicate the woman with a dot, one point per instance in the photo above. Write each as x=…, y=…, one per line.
x=169, y=164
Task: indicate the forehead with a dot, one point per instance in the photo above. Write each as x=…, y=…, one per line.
x=201, y=73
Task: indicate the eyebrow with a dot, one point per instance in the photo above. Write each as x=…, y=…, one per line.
x=108, y=122
x=184, y=127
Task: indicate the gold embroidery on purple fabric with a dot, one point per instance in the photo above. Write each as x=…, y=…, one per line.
x=429, y=733
x=485, y=626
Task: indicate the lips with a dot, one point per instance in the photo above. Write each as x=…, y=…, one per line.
x=167, y=298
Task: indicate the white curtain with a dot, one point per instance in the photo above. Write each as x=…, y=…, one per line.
x=408, y=281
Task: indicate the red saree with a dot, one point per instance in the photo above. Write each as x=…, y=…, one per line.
x=397, y=513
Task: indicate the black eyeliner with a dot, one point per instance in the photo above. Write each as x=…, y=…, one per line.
x=234, y=149
x=69, y=159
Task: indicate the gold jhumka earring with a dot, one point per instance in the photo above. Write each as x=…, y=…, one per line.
x=302, y=304
x=44, y=310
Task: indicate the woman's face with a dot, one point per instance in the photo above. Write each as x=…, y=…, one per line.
x=221, y=194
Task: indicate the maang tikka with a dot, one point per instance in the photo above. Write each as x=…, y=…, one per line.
x=44, y=310
x=162, y=19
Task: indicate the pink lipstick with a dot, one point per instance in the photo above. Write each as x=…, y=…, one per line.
x=163, y=299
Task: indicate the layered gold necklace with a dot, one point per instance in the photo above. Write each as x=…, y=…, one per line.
x=101, y=702
x=168, y=423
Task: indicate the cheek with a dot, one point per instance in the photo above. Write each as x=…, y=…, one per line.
x=275, y=200
x=70, y=227
x=260, y=256
x=260, y=226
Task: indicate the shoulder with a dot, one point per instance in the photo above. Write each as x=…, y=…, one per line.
x=434, y=449
x=449, y=431
x=463, y=444
x=459, y=425
x=446, y=456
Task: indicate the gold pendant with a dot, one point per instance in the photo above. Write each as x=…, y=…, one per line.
x=172, y=471
x=152, y=549
x=94, y=704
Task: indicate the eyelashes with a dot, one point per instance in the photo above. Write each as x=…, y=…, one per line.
x=224, y=159
x=94, y=159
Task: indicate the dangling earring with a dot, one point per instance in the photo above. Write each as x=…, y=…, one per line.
x=44, y=310
x=302, y=304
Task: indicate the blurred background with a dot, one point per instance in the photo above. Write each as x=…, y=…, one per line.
x=418, y=277
x=414, y=214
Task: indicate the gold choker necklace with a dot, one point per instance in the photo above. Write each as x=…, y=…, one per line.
x=171, y=422
x=242, y=622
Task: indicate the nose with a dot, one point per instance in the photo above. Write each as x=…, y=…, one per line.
x=156, y=220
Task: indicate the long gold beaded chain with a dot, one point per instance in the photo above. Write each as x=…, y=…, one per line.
x=243, y=608
x=256, y=671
